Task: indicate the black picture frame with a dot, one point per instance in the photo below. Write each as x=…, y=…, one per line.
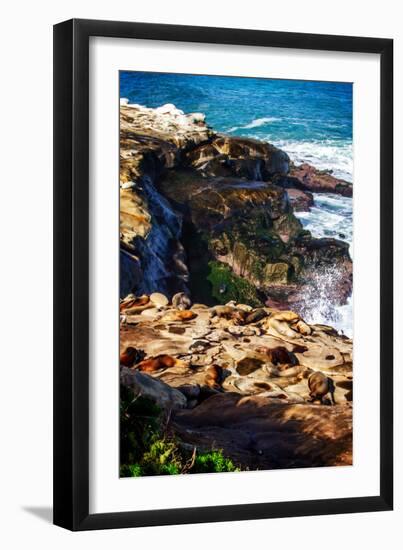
x=71, y=274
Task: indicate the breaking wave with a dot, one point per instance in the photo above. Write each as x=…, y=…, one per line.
x=325, y=155
x=255, y=123
x=332, y=216
x=318, y=309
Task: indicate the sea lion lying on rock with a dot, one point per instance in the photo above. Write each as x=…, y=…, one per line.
x=256, y=315
x=153, y=364
x=287, y=324
x=132, y=301
x=279, y=355
x=214, y=377
x=178, y=315
x=131, y=356
x=230, y=313
x=181, y=301
x=319, y=385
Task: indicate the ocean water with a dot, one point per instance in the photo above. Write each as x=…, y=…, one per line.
x=311, y=121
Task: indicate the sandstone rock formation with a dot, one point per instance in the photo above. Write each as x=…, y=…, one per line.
x=258, y=409
x=212, y=214
x=215, y=269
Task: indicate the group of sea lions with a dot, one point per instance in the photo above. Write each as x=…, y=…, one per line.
x=132, y=304
x=320, y=385
x=284, y=324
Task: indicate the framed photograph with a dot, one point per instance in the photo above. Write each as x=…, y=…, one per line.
x=223, y=322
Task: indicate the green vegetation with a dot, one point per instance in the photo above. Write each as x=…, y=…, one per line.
x=147, y=448
x=213, y=462
x=227, y=286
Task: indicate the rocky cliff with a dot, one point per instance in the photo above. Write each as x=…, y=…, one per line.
x=206, y=220
x=213, y=214
x=239, y=379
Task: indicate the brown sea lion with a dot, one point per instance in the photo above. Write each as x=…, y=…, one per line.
x=181, y=301
x=134, y=302
x=177, y=315
x=153, y=364
x=214, y=377
x=131, y=356
x=299, y=349
x=302, y=327
x=319, y=386
x=279, y=355
x=229, y=313
x=256, y=315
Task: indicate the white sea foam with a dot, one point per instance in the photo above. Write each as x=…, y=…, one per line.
x=331, y=216
x=318, y=310
x=255, y=123
x=324, y=155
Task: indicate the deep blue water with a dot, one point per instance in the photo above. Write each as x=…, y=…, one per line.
x=312, y=121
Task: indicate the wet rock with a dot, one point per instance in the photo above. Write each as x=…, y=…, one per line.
x=319, y=181
x=301, y=201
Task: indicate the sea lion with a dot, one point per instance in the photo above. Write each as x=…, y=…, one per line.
x=153, y=364
x=319, y=385
x=287, y=324
x=178, y=315
x=214, y=377
x=229, y=313
x=299, y=349
x=181, y=301
x=256, y=315
x=130, y=302
x=302, y=327
x=131, y=356
x=279, y=355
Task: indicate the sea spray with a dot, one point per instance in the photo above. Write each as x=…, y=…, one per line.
x=330, y=217
x=318, y=306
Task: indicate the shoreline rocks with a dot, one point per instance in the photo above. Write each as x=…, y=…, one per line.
x=243, y=383
x=212, y=216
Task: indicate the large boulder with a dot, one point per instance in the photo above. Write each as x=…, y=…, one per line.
x=250, y=227
x=161, y=394
x=317, y=181
x=301, y=201
x=237, y=156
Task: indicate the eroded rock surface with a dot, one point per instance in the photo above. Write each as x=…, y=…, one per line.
x=242, y=374
x=213, y=214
